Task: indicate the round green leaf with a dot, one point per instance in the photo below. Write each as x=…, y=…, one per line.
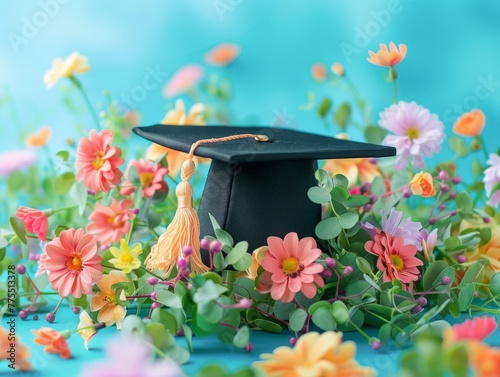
x=342, y=115
x=317, y=305
x=18, y=227
x=324, y=107
x=356, y=201
x=211, y=312
x=168, y=320
x=3, y=242
x=323, y=318
x=297, y=319
x=169, y=299
x=267, y=325
x=495, y=284
x=432, y=272
x=348, y=219
x=339, y=312
x=375, y=134
x=466, y=296
x=242, y=337
x=244, y=263
x=328, y=228
x=237, y=252
x=318, y=195
x=64, y=182
x=158, y=335
x=340, y=180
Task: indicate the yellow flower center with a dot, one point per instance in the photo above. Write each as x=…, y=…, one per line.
x=127, y=258
x=146, y=179
x=397, y=262
x=110, y=298
x=75, y=262
x=413, y=133
x=290, y=265
x=98, y=162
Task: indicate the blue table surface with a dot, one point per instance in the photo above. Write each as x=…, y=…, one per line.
x=206, y=350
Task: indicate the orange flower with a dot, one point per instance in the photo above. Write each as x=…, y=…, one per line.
x=338, y=69
x=485, y=360
x=54, y=341
x=21, y=351
x=353, y=169
x=318, y=71
x=257, y=257
x=422, y=184
x=223, y=54
x=470, y=124
x=40, y=138
x=489, y=252
x=105, y=300
x=388, y=57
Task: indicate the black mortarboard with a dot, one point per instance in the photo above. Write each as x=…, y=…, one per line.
x=256, y=190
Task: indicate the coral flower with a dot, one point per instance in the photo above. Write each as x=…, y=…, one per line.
x=318, y=71
x=105, y=300
x=353, y=169
x=388, y=57
x=470, y=124
x=477, y=329
x=98, y=162
x=86, y=327
x=72, y=263
x=126, y=257
x=417, y=133
x=395, y=259
x=39, y=139
x=53, y=341
x=15, y=160
x=314, y=355
x=22, y=352
x=290, y=264
x=183, y=80
x=178, y=117
x=151, y=175
x=338, y=69
x=110, y=223
x=72, y=65
x=484, y=360
x=35, y=221
x=422, y=184
x=223, y=54
x=492, y=180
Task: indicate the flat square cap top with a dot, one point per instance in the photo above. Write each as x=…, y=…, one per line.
x=283, y=144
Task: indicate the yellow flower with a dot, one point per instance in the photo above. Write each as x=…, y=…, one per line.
x=72, y=65
x=40, y=138
x=315, y=355
x=338, y=69
x=105, y=300
x=126, y=258
x=87, y=328
x=177, y=117
x=353, y=169
x=257, y=257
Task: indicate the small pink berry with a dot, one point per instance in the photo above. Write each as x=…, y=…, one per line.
x=443, y=175
x=50, y=317
x=376, y=345
x=422, y=301
x=152, y=280
x=330, y=263
x=293, y=341
x=416, y=309
x=445, y=280
x=348, y=270
x=205, y=243
x=23, y=314
x=90, y=192
x=461, y=259
x=407, y=193
x=326, y=273
x=453, y=195
x=486, y=220
x=35, y=317
x=187, y=251
x=245, y=303
x=453, y=213
x=154, y=296
x=135, y=211
x=155, y=305
x=184, y=271
x=75, y=309
x=443, y=187
x=104, y=247
x=432, y=220
x=367, y=208
x=456, y=179
x=442, y=207
x=215, y=246
x=249, y=347
x=182, y=263
x=373, y=198
x=21, y=269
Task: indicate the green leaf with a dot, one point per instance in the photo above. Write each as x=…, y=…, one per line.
x=242, y=337
x=328, y=228
x=323, y=318
x=340, y=194
x=457, y=359
x=356, y=201
x=211, y=312
x=324, y=179
x=3, y=244
x=458, y=146
x=79, y=194
x=297, y=319
x=18, y=227
x=133, y=176
x=318, y=195
x=464, y=204
x=339, y=312
x=384, y=333
x=495, y=284
x=342, y=115
x=169, y=299
x=474, y=273
x=219, y=262
x=237, y=252
x=340, y=180
x=477, y=169
x=153, y=219
x=81, y=302
x=158, y=335
x=317, y=305
x=449, y=272
x=375, y=134
x=64, y=182
x=452, y=243
x=432, y=272
x=244, y=263
x=224, y=237
x=466, y=296
x=64, y=155
x=167, y=319
x=267, y=325
x=324, y=107
x=188, y=334
x=348, y=219
x=363, y=265
x=132, y=324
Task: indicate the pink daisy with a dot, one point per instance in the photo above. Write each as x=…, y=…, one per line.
x=72, y=263
x=492, y=180
x=110, y=223
x=151, y=175
x=479, y=328
x=290, y=265
x=418, y=133
x=182, y=80
x=98, y=163
x=35, y=221
x=395, y=259
x=15, y=160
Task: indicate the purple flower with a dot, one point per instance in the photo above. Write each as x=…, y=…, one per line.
x=417, y=132
x=393, y=225
x=131, y=356
x=430, y=239
x=492, y=180
x=15, y=160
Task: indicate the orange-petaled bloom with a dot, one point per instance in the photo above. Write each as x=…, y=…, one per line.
x=388, y=57
x=318, y=71
x=86, y=328
x=353, y=169
x=110, y=223
x=338, y=69
x=470, y=124
x=314, y=355
x=72, y=263
x=20, y=355
x=98, y=162
x=489, y=252
x=72, y=65
x=151, y=175
x=422, y=184
x=104, y=300
x=54, y=341
x=35, y=221
x=223, y=54
x=484, y=360
x=40, y=138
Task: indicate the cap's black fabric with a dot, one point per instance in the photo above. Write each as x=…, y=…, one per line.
x=259, y=189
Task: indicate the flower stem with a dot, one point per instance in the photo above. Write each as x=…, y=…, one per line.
x=150, y=272
x=90, y=108
x=129, y=234
x=365, y=335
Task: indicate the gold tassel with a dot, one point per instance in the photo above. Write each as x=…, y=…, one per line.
x=184, y=230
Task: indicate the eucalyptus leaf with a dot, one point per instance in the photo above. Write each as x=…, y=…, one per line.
x=323, y=318
x=18, y=227
x=168, y=299
x=297, y=319
x=239, y=250
x=242, y=337
x=318, y=195
x=64, y=182
x=348, y=219
x=328, y=228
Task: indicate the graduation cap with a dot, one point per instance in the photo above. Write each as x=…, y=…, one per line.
x=256, y=186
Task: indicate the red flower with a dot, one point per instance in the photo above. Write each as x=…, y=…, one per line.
x=53, y=340
x=34, y=220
